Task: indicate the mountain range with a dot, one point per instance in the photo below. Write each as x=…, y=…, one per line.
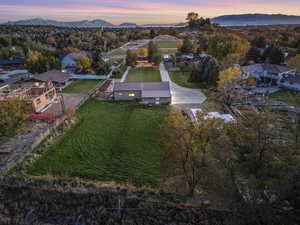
x=45, y=22
x=256, y=19
x=228, y=20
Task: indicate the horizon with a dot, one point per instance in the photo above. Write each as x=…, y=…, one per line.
x=93, y=19
x=139, y=12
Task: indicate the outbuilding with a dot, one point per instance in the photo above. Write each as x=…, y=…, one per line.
x=144, y=92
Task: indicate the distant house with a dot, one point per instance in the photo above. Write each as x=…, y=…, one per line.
x=5, y=83
x=184, y=56
x=69, y=61
x=145, y=92
x=266, y=71
x=291, y=82
x=58, y=78
x=189, y=56
x=12, y=64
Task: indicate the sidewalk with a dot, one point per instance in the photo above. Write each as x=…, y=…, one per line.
x=125, y=74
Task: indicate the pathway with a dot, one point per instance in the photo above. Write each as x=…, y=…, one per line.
x=182, y=95
x=125, y=74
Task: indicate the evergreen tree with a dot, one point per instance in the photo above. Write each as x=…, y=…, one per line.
x=187, y=46
x=273, y=55
x=253, y=55
x=205, y=70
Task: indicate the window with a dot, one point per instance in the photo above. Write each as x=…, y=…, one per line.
x=120, y=93
x=131, y=94
x=156, y=99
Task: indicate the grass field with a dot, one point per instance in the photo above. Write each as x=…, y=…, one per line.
x=112, y=142
x=165, y=44
x=290, y=97
x=143, y=75
x=81, y=86
x=182, y=80
x=168, y=51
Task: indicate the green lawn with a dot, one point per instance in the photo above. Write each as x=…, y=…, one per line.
x=81, y=86
x=168, y=51
x=165, y=44
x=143, y=75
x=290, y=97
x=182, y=80
x=112, y=142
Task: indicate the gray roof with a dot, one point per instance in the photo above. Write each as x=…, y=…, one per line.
x=148, y=89
x=120, y=86
x=156, y=94
x=10, y=81
x=292, y=79
x=270, y=68
x=53, y=75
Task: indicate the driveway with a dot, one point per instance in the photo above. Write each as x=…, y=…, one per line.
x=182, y=95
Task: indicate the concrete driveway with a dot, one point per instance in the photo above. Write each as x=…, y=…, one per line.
x=182, y=95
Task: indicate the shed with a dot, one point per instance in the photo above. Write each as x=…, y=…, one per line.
x=145, y=92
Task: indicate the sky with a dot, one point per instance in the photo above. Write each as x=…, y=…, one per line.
x=138, y=11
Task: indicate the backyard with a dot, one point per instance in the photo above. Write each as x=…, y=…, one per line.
x=81, y=86
x=182, y=80
x=290, y=97
x=165, y=44
x=112, y=142
x=143, y=75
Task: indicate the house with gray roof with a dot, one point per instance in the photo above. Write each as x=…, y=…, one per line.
x=266, y=71
x=144, y=92
x=58, y=78
x=291, y=82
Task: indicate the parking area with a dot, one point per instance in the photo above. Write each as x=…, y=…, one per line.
x=182, y=95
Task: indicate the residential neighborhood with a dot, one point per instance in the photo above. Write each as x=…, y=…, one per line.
x=189, y=123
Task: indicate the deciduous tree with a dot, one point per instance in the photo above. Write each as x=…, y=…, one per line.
x=84, y=63
x=12, y=116
x=189, y=148
x=295, y=62
x=130, y=58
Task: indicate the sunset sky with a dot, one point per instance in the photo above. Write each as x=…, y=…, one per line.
x=138, y=11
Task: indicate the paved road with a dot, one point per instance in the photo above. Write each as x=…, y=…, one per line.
x=182, y=95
